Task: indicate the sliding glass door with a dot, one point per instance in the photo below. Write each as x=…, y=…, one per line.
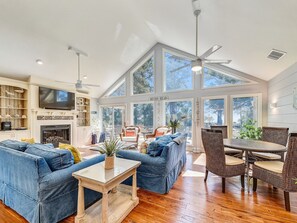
x=113, y=120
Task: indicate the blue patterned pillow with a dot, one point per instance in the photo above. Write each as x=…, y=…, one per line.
x=56, y=159
x=156, y=147
x=13, y=144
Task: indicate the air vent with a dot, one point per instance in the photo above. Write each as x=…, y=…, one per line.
x=276, y=54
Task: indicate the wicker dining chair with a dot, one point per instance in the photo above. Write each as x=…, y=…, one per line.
x=228, y=151
x=279, y=174
x=216, y=160
x=274, y=135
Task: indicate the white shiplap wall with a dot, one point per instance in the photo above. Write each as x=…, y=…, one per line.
x=280, y=91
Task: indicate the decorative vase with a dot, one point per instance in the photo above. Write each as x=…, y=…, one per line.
x=109, y=162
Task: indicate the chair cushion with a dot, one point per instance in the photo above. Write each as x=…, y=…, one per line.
x=270, y=156
x=13, y=144
x=129, y=139
x=75, y=152
x=274, y=166
x=230, y=160
x=229, y=150
x=55, y=158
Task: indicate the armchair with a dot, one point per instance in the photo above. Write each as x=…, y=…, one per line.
x=130, y=134
x=161, y=130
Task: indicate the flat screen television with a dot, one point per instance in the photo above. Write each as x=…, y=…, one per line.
x=56, y=99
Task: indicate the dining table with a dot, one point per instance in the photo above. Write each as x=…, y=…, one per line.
x=247, y=146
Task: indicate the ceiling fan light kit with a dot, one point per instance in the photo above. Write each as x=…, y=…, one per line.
x=196, y=65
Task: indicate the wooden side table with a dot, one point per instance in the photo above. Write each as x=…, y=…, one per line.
x=114, y=205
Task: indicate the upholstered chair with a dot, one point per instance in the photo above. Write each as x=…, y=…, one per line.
x=216, y=160
x=228, y=151
x=130, y=134
x=161, y=130
x=274, y=135
x=279, y=174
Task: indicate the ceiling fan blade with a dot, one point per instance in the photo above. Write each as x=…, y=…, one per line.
x=64, y=82
x=179, y=68
x=210, y=51
x=92, y=85
x=217, y=61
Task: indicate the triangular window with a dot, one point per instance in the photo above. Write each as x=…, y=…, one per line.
x=214, y=78
x=120, y=90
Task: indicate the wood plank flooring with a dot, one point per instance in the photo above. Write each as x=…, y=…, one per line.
x=191, y=201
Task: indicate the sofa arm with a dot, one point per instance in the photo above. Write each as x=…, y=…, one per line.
x=143, y=158
x=60, y=177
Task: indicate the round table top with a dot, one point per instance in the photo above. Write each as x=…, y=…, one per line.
x=254, y=145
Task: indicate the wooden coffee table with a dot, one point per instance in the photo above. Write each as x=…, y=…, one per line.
x=114, y=205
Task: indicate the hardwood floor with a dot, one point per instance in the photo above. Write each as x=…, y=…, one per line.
x=192, y=200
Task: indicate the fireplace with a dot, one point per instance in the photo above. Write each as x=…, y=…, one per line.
x=55, y=134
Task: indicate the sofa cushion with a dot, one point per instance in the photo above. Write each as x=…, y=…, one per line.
x=179, y=140
x=156, y=147
x=55, y=158
x=13, y=144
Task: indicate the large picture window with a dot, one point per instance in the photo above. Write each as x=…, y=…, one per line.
x=244, y=109
x=181, y=111
x=143, y=116
x=143, y=78
x=213, y=112
x=178, y=73
x=213, y=78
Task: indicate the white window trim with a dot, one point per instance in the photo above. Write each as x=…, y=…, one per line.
x=251, y=82
x=164, y=72
x=152, y=54
x=142, y=102
x=259, y=106
x=193, y=113
x=226, y=110
x=115, y=88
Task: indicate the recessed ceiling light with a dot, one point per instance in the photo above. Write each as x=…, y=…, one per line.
x=85, y=77
x=39, y=62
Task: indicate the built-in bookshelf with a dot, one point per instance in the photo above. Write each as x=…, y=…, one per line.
x=83, y=109
x=14, y=106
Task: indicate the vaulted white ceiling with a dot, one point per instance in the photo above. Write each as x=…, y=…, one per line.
x=115, y=33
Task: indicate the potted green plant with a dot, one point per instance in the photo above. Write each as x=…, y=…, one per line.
x=109, y=148
x=249, y=130
x=174, y=124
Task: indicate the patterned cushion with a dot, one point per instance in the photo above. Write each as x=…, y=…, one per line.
x=75, y=152
x=56, y=159
x=13, y=144
x=130, y=133
x=230, y=160
x=274, y=166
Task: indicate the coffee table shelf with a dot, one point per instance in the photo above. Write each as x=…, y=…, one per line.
x=115, y=204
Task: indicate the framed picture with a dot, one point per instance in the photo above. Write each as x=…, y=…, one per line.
x=295, y=98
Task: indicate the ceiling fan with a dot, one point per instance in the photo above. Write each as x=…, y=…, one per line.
x=199, y=62
x=79, y=85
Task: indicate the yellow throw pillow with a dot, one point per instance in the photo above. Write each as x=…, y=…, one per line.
x=75, y=152
x=28, y=140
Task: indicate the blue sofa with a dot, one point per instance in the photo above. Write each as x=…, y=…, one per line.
x=32, y=189
x=158, y=174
